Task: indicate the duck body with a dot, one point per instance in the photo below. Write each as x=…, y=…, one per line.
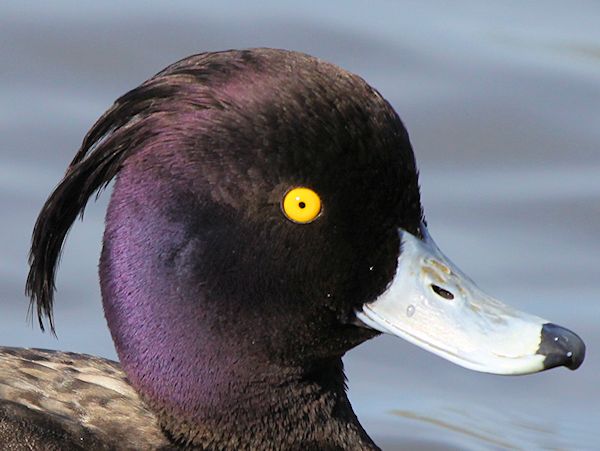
x=52, y=400
x=230, y=307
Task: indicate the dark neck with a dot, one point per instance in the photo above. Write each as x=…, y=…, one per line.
x=213, y=387
x=219, y=397
x=213, y=397
x=284, y=409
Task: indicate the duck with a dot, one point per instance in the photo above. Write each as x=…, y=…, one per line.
x=265, y=219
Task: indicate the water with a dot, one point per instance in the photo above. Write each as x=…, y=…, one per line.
x=502, y=102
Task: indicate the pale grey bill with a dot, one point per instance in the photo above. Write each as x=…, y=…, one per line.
x=431, y=303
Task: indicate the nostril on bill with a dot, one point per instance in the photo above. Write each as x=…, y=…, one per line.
x=442, y=292
x=561, y=347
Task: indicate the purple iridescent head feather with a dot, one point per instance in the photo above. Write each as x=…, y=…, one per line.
x=228, y=319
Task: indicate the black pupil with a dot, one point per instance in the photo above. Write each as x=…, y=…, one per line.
x=302, y=205
x=441, y=292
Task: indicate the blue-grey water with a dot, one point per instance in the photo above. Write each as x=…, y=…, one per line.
x=502, y=101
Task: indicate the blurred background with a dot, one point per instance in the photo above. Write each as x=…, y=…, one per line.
x=502, y=102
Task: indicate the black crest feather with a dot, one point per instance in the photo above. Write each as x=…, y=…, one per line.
x=95, y=164
x=133, y=121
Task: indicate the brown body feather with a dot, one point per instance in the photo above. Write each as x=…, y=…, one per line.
x=59, y=400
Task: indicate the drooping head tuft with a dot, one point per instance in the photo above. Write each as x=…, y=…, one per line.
x=150, y=114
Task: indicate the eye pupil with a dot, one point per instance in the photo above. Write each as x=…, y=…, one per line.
x=302, y=205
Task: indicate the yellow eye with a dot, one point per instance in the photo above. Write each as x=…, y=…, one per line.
x=301, y=205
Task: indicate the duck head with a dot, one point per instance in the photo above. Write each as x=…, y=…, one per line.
x=265, y=219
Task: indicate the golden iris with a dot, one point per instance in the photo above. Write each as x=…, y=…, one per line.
x=301, y=205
